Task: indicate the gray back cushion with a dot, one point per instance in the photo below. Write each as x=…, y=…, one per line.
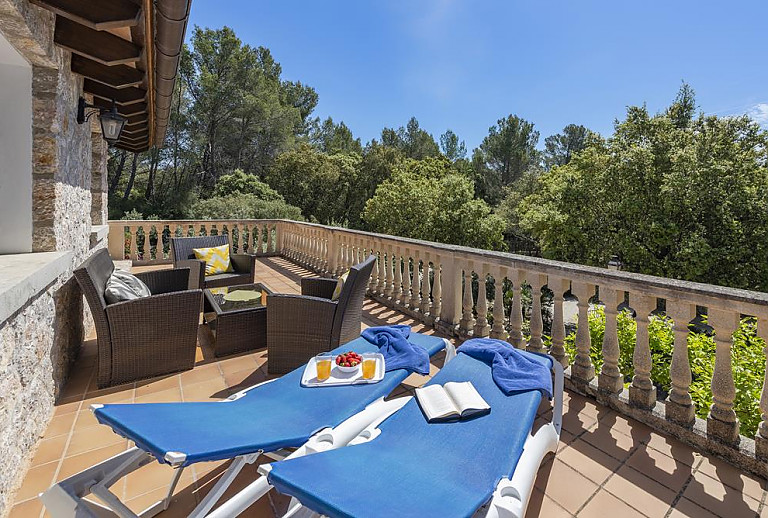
x=122, y=286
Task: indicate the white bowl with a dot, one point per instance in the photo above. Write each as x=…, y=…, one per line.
x=348, y=370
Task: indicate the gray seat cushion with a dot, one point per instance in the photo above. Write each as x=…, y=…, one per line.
x=122, y=286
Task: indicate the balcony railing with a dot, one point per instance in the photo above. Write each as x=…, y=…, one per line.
x=434, y=283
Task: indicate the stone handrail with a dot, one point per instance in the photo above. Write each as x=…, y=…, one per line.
x=427, y=280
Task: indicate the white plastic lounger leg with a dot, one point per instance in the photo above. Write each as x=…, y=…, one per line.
x=358, y=426
x=224, y=482
x=510, y=499
x=450, y=351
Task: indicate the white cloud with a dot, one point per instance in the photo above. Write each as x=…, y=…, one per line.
x=759, y=113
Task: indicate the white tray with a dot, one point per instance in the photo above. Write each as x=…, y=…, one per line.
x=338, y=378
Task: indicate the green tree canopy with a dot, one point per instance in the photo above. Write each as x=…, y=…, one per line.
x=509, y=149
x=331, y=138
x=453, y=148
x=243, y=206
x=242, y=183
x=427, y=199
x=411, y=140
x=560, y=148
x=673, y=198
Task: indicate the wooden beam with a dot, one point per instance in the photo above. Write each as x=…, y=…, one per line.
x=116, y=76
x=124, y=110
x=135, y=120
x=103, y=47
x=135, y=131
x=124, y=96
x=96, y=14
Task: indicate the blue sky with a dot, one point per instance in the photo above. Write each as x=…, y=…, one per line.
x=464, y=64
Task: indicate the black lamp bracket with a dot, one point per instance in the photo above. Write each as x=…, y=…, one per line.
x=82, y=106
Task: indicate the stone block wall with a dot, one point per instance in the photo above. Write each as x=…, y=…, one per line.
x=40, y=341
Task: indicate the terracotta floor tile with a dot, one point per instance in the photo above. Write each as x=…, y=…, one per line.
x=28, y=509
x=66, y=406
x=151, y=477
x=200, y=373
x=60, y=425
x=732, y=477
x=541, y=506
x=237, y=364
x=594, y=464
x=577, y=423
x=181, y=505
x=37, y=480
x=78, y=463
x=164, y=396
x=566, y=486
x=612, y=442
x=605, y=504
x=713, y=495
x=672, y=448
x=687, y=509
x=640, y=492
x=50, y=450
x=125, y=395
x=85, y=419
x=629, y=427
x=212, y=389
x=156, y=385
x=93, y=438
x=672, y=473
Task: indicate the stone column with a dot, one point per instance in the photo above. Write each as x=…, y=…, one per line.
x=642, y=393
x=437, y=289
x=425, y=295
x=610, y=380
x=450, y=300
x=406, y=294
x=582, y=370
x=481, y=323
x=467, y=319
x=535, y=344
x=415, y=300
x=516, y=314
x=498, y=330
x=722, y=424
x=679, y=408
x=558, y=286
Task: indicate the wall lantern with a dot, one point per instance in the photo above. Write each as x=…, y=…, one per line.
x=614, y=263
x=112, y=123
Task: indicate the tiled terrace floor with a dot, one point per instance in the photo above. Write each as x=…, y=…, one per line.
x=607, y=465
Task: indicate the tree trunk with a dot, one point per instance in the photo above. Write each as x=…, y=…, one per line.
x=151, y=177
x=118, y=173
x=129, y=187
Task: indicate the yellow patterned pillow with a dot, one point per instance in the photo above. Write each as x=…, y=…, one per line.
x=216, y=259
x=339, y=286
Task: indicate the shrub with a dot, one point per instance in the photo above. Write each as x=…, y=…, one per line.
x=243, y=206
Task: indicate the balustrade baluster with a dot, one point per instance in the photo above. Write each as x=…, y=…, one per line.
x=437, y=289
x=722, y=423
x=406, y=293
x=394, y=285
x=610, y=380
x=381, y=266
x=536, y=343
x=558, y=286
x=498, y=330
x=516, y=314
x=481, y=328
x=467, y=322
x=373, y=283
x=761, y=438
x=679, y=407
x=425, y=299
x=582, y=370
x=642, y=392
x=133, y=250
x=415, y=300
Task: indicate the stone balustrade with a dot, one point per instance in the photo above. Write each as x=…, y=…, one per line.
x=457, y=290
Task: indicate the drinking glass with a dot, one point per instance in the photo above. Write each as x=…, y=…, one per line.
x=323, y=363
x=369, y=365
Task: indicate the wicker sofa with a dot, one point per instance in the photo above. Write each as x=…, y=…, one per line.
x=145, y=337
x=301, y=326
x=183, y=255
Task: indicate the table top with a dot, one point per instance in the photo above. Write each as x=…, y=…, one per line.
x=237, y=298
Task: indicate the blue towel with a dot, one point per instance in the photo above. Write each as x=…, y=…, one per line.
x=511, y=369
x=398, y=352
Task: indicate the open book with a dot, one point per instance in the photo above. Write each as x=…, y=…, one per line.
x=450, y=401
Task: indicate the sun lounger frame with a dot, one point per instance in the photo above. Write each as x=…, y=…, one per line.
x=66, y=499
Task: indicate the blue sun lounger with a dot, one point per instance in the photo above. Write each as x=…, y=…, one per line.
x=265, y=419
x=420, y=469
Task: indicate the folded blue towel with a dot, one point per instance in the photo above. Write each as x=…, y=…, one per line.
x=398, y=352
x=511, y=369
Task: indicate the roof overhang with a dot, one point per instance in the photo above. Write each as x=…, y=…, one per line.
x=128, y=51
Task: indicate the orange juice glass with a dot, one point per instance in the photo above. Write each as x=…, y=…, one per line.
x=369, y=366
x=323, y=363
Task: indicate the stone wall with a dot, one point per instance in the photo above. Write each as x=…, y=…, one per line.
x=41, y=340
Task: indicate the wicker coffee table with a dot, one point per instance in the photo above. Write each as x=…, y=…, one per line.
x=237, y=317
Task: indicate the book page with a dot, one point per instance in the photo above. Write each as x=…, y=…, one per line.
x=466, y=397
x=435, y=402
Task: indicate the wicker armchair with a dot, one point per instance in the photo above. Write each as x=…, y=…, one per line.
x=145, y=337
x=301, y=326
x=183, y=257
